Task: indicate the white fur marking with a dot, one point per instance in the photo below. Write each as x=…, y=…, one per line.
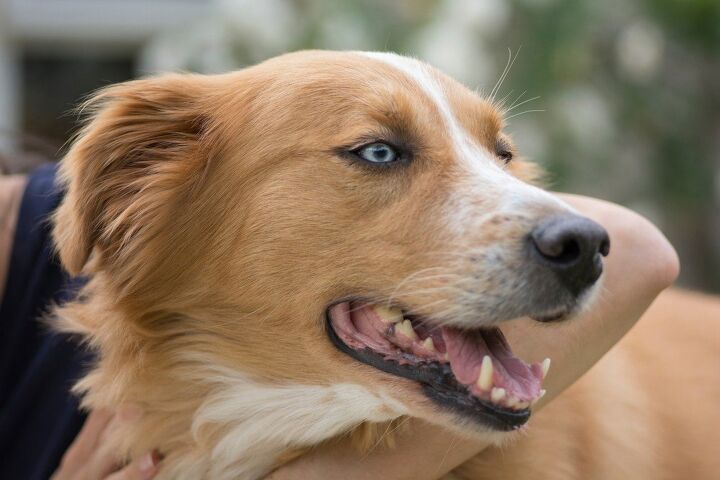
x=262, y=421
x=485, y=178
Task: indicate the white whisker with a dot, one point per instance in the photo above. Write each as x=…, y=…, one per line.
x=503, y=76
x=518, y=99
x=520, y=104
x=523, y=113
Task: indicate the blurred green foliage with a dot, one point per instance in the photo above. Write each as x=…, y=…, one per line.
x=629, y=90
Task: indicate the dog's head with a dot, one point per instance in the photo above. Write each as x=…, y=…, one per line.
x=326, y=218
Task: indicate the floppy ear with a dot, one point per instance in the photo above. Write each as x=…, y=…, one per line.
x=139, y=150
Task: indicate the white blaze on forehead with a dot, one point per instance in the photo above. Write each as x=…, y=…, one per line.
x=421, y=74
x=484, y=176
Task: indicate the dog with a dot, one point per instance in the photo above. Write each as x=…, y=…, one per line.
x=329, y=241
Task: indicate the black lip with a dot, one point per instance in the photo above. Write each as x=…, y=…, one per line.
x=439, y=384
x=558, y=317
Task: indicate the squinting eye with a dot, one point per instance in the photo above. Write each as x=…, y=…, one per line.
x=377, y=153
x=505, y=155
x=502, y=150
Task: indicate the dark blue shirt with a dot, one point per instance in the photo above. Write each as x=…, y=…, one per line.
x=39, y=417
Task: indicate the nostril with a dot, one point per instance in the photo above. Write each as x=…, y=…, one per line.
x=556, y=244
x=604, y=246
x=570, y=250
x=556, y=248
x=567, y=240
x=571, y=247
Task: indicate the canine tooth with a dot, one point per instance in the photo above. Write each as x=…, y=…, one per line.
x=485, y=378
x=545, y=367
x=497, y=394
x=388, y=314
x=405, y=328
x=428, y=344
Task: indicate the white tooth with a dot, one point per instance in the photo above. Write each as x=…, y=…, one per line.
x=388, y=314
x=405, y=328
x=545, y=367
x=485, y=378
x=512, y=402
x=522, y=405
x=428, y=344
x=446, y=357
x=497, y=394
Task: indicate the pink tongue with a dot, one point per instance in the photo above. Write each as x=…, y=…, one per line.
x=467, y=349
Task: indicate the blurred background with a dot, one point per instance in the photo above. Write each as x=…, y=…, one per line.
x=618, y=99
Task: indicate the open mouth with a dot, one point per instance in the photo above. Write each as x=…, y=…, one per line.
x=471, y=372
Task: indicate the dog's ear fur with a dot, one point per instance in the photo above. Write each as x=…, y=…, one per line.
x=141, y=146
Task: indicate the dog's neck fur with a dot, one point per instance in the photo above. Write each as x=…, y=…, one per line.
x=228, y=424
x=260, y=422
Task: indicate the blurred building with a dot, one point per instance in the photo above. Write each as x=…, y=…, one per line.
x=53, y=52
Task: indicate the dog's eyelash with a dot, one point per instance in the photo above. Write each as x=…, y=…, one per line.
x=505, y=155
x=504, y=151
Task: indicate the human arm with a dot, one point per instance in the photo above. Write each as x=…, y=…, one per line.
x=641, y=264
x=11, y=190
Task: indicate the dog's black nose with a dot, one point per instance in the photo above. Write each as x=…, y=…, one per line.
x=571, y=246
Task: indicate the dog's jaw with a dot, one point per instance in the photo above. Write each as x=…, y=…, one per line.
x=229, y=425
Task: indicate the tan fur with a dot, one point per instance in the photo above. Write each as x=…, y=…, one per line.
x=172, y=163
x=217, y=220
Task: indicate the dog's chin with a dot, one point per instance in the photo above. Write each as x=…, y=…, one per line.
x=557, y=314
x=572, y=308
x=470, y=373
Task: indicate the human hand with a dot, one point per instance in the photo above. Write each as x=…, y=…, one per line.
x=90, y=458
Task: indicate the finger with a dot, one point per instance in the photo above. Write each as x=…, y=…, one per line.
x=103, y=462
x=124, y=415
x=129, y=412
x=105, y=458
x=86, y=442
x=143, y=468
x=94, y=426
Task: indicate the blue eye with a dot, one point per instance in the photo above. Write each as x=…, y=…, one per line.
x=378, y=153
